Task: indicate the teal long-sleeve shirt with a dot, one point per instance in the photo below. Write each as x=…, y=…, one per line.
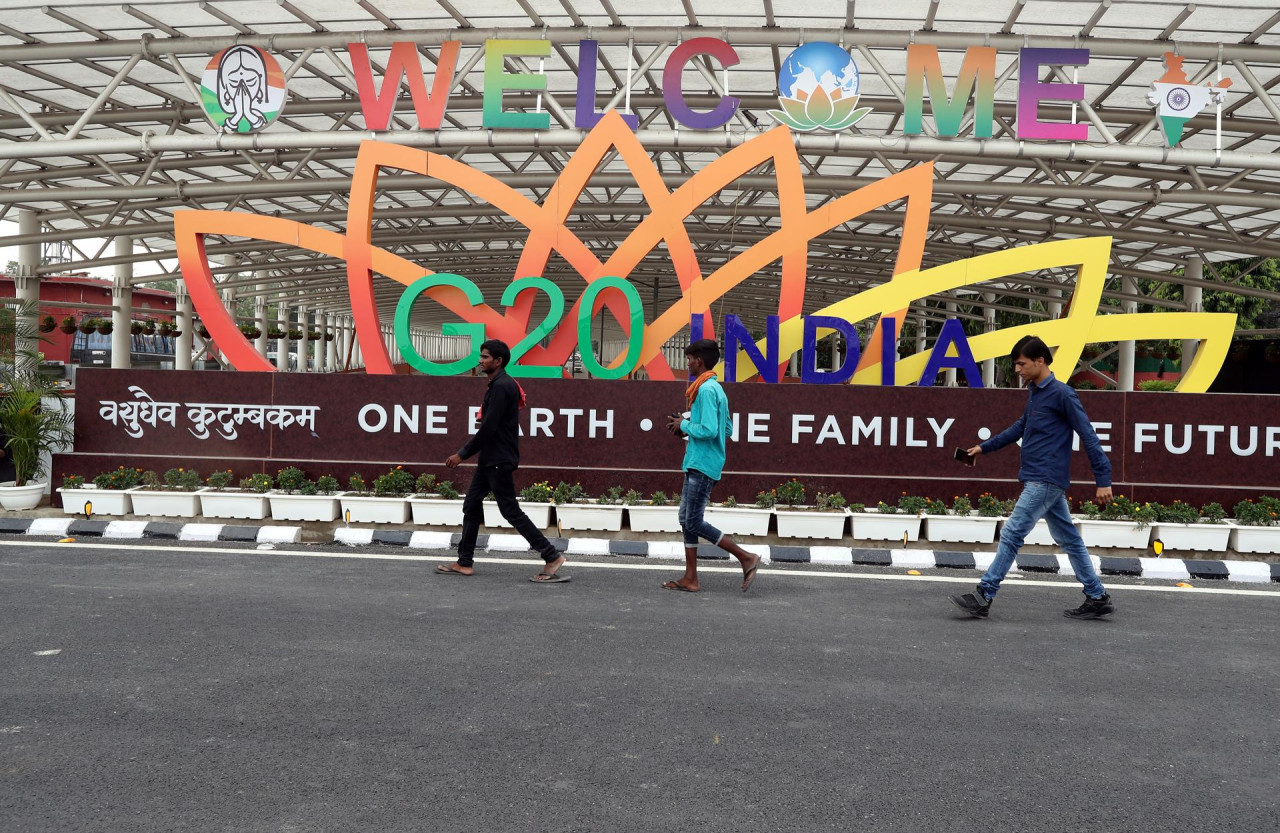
x=707, y=427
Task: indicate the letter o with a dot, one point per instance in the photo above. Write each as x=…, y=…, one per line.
x=382, y=418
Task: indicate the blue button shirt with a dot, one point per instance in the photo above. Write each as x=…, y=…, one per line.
x=1052, y=415
x=708, y=427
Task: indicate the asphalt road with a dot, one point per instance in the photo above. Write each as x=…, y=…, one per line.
x=198, y=690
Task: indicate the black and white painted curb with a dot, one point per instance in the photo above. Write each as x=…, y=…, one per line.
x=1176, y=569
x=78, y=528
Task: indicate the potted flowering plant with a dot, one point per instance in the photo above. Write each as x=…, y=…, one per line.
x=575, y=511
x=298, y=498
x=660, y=513
x=1181, y=526
x=958, y=523
x=88, y=325
x=435, y=503
x=108, y=495
x=1257, y=526
x=733, y=519
x=104, y=326
x=220, y=500
x=889, y=522
x=174, y=496
x=1121, y=523
x=47, y=324
x=165, y=328
x=135, y=328
x=386, y=503
x=68, y=325
x=824, y=519
x=535, y=500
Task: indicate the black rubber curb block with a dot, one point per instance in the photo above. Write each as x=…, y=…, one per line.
x=88, y=529
x=162, y=530
x=640, y=548
x=1116, y=566
x=14, y=526
x=238, y=533
x=955, y=560
x=789, y=555
x=873, y=558
x=393, y=537
x=1207, y=569
x=1033, y=563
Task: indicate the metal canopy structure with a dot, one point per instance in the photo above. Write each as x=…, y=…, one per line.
x=104, y=138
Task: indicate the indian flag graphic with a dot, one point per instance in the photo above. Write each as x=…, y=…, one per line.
x=242, y=89
x=1177, y=100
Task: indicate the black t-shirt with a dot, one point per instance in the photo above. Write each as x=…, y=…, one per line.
x=498, y=437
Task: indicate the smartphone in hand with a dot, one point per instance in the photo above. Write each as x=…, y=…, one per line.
x=964, y=457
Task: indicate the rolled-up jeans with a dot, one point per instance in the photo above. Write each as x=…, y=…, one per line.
x=693, y=503
x=1041, y=500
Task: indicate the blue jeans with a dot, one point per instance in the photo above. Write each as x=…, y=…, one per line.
x=1041, y=500
x=693, y=502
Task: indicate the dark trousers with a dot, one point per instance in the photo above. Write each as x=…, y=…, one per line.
x=499, y=480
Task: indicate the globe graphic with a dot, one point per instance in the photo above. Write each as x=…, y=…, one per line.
x=814, y=65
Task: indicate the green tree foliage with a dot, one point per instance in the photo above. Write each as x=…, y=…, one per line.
x=1254, y=313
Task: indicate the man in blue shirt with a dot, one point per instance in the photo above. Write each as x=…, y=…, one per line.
x=707, y=427
x=1053, y=414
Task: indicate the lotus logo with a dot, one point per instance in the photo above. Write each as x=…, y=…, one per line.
x=818, y=89
x=782, y=254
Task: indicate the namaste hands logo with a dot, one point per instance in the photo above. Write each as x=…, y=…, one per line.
x=242, y=89
x=782, y=254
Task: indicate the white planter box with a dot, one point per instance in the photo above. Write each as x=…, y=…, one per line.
x=284, y=507
x=436, y=511
x=875, y=526
x=1197, y=537
x=811, y=524
x=971, y=529
x=539, y=513
x=362, y=509
x=165, y=504
x=589, y=516
x=21, y=497
x=644, y=518
x=738, y=520
x=1121, y=534
x=250, y=506
x=1263, y=539
x=105, y=501
x=1039, y=534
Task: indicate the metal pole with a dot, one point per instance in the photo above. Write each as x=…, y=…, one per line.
x=1194, y=296
x=182, y=344
x=26, y=285
x=1124, y=372
x=122, y=298
x=282, y=345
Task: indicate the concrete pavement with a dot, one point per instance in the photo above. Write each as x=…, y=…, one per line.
x=199, y=688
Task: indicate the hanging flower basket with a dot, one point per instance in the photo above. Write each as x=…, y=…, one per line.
x=68, y=325
x=328, y=336
x=275, y=332
x=295, y=335
x=165, y=328
x=203, y=331
x=88, y=325
x=47, y=324
x=105, y=327
x=148, y=328
x=175, y=332
x=312, y=335
x=250, y=332
x=135, y=327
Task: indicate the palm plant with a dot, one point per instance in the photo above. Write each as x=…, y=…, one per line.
x=33, y=414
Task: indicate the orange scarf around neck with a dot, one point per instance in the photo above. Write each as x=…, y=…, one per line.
x=691, y=392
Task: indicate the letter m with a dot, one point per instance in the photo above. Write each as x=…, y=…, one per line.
x=977, y=80
x=377, y=106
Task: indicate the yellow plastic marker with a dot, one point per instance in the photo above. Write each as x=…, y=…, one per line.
x=347, y=516
x=1158, y=546
x=88, y=509
x=1185, y=584
x=913, y=572
x=905, y=536
x=66, y=540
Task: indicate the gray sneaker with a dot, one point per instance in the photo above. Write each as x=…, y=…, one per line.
x=975, y=604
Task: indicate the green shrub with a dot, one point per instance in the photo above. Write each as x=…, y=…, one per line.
x=962, y=507
x=661, y=499
x=885, y=509
x=566, y=493
x=833, y=502
x=446, y=490
x=1144, y=514
x=610, y=496
x=989, y=506
x=72, y=481
x=1176, y=513
x=791, y=493
x=219, y=480
x=934, y=507
x=290, y=479
x=149, y=480
x=260, y=482
x=394, y=483
x=536, y=493
x=425, y=485
x=1090, y=510
x=912, y=504
x=631, y=498
x=1119, y=509
x=326, y=484
x=767, y=500
x=1153, y=385
x=1212, y=513
x=730, y=502
x=1263, y=512
x=309, y=488
x=182, y=480
x=857, y=507
x=355, y=483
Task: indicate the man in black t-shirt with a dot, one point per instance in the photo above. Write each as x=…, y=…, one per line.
x=497, y=441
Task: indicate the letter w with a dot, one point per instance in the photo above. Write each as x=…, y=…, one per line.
x=377, y=106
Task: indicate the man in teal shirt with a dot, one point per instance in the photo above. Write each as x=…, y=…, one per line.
x=707, y=427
